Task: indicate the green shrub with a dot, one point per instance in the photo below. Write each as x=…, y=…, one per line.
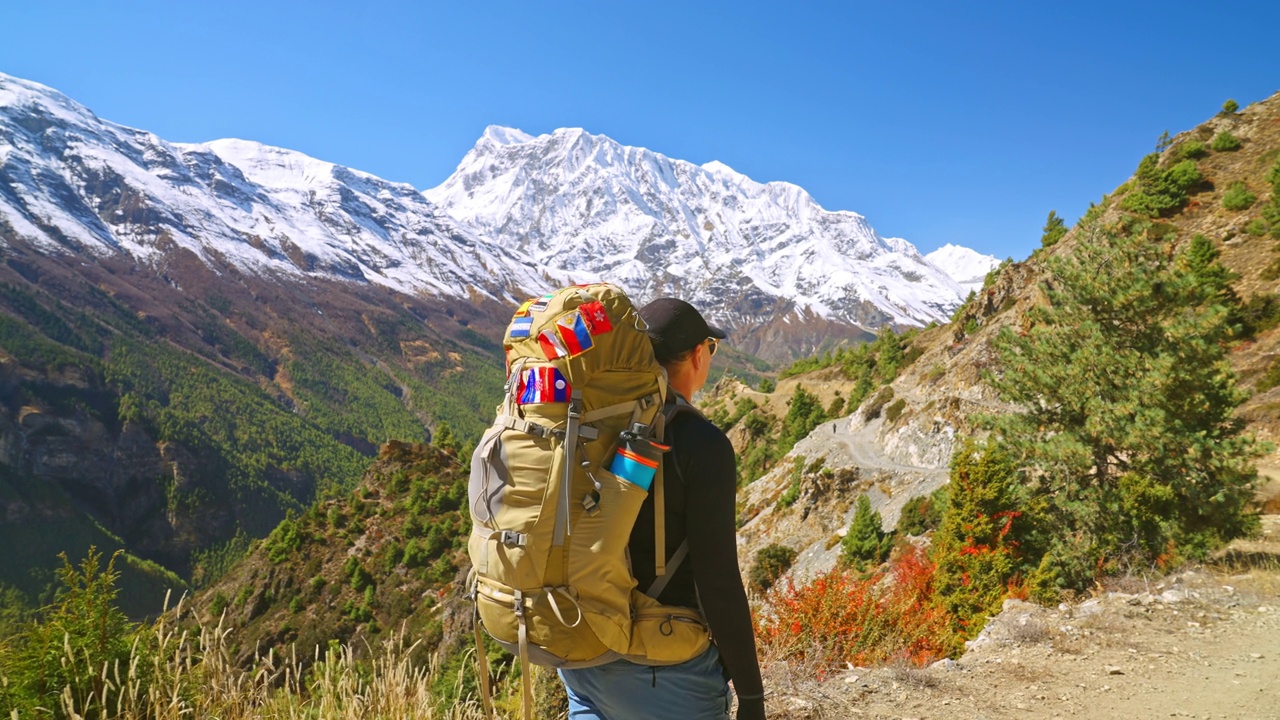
x=1225, y=142
x=1230, y=107
x=878, y=402
x=892, y=412
x=866, y=543
x=1160, y=191
x=69, y=652
x=1257, y=227
x=1190, y=150
x=978, y=545
x=836, y=408
x=792, y=493
x=1238, y=197
x=218, y=604
x=770, y=563
x=1269, y=379
x=922, y=513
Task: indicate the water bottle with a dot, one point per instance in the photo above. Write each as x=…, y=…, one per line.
x=637, y=457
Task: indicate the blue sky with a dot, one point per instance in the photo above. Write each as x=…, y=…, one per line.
x=938, y=122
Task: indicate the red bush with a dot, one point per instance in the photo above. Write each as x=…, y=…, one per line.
x=841, y=618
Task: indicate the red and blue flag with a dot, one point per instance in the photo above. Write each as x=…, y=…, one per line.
x=574, y=334
x=543, y=385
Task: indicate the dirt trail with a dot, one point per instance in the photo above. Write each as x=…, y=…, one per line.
x=1201, y=644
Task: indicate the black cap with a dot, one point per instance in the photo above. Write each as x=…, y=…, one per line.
x=675, y=326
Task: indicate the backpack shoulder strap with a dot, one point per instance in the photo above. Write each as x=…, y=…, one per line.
x=664, y=570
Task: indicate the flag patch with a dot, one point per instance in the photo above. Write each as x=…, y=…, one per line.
x=521, y=327
x=524, y=308
x=552, y=346
x=542, y=385
x=596, y=317
x=574, y=334
x=541, y=303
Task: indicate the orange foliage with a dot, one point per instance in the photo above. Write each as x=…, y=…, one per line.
x=842, y=618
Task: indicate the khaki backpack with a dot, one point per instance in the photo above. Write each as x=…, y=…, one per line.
x=551, y=577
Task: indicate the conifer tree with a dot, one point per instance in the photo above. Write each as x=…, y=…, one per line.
x=978, y=548
x=866, y=543
x=1054, y=228
x=1127, y=429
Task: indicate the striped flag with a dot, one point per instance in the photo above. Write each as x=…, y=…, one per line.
x=542, y=385
x=521, y=327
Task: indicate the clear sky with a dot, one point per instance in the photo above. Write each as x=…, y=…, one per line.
x=938, y=122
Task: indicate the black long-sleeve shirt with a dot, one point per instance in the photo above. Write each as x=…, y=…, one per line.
x=700, y=505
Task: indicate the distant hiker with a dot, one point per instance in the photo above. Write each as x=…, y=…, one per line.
x=701, y=481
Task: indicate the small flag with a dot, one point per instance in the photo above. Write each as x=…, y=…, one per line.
x=542, y=385
x=541, y=303
x=521, y=327
x=574, y=334
x=596, y=318
x=524, y=308
x=552, y=346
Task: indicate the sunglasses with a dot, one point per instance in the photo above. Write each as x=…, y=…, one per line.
x=712, y=345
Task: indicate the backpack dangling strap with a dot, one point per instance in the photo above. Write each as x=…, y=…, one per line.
x=572, y=429
x=482, y=661
x=526, y=682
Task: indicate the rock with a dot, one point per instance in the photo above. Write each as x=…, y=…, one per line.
x=1114, y=670
x=945, y=664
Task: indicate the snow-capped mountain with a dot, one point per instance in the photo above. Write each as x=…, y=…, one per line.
x=967, y=267
x=73, y=183
x=521, y=214
x=749, y=252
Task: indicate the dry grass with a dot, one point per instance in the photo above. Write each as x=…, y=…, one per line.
x=178, y=675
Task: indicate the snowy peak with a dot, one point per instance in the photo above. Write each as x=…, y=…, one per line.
x=72, y=183
x=967, y=267
x=521, y=214
x=499, y=135
x=657, y=225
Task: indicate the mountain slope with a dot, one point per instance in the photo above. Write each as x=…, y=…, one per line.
x=907, y=445
x=186, y=354
x=757, y=257
x=74, y=183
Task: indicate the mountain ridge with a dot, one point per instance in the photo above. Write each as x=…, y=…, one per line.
x=755, y=256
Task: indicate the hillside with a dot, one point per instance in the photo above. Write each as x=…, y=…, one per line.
x=168, y=411
x=899, y=443
x=357, y=567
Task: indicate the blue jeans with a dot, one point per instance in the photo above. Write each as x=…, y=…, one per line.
x=621, y=690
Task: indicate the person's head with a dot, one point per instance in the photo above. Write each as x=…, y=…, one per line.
x=682, y=341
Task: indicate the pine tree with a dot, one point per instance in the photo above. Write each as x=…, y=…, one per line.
x=1054, y=228
x=1128, y=426
x=866, y=543
x=804, y=413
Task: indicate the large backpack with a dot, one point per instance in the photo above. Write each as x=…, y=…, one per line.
x=552, y=580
